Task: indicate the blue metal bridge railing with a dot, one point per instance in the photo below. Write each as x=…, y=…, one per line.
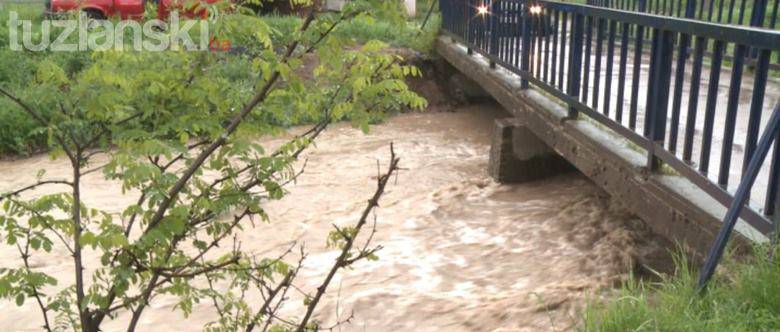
x=757, y=13
x=754, y=13
x=657, y=81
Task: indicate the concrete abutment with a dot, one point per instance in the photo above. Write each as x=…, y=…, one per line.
x=517, y=155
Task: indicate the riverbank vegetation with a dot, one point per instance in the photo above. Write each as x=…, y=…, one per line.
x=743, y=296
x=20, y=135
x=178, y=130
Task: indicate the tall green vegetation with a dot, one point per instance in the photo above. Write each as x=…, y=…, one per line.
x=177, y=130
x=397, y=31
x=20, y=135
x=745, y=296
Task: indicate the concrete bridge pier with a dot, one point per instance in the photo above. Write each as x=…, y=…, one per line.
x=517, y=155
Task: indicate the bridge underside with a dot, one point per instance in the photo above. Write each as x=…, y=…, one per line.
x=671, y=205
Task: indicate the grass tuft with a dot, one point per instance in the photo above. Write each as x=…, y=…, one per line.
x=744, y=296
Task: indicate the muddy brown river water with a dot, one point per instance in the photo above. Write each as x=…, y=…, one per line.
x=461, y=252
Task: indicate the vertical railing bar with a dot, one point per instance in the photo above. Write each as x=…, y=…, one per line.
x=652, y=84
x=476, y=29
x=710, y=10
x=539, y=33
x=520, y=37
x=526, y=48
x=500, y=29
x=757, y=18
x=731, y=11
x=636, y=72
x=562, y=64
x=660, y=93
x=468, y=27
x=701, y=10
x=494, y=15
x=531, y=44
x=679, y=79
x=586, y=67
x=679, y=8
x=622, y=72
x=709, y=112
x=756, y=106
x=505, y=31
x=720, y=10
x=548, y=23
x=610, y=57
x=597, y=66
x=731, y=115
x=484, y=25
x=693, y=98
x=517, y=31
x=742, y=12
x=477, y=21
x=553, y=68
x=511, y=32
x=575, y=61
x=650, y=9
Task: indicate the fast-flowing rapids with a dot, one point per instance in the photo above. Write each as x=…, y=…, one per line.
x=460, y=252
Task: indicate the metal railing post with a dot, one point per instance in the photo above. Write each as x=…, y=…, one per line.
x=525, y=57
x=658, y=92
x=469, y=28
x=575, y=60
x=758, y=13
x=494, y=15
x=757, y=20
x=684, y=44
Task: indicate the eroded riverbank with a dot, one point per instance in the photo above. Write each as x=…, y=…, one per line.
x=461, y=252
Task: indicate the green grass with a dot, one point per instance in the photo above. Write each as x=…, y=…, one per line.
x=361, y=30
x=744, y=296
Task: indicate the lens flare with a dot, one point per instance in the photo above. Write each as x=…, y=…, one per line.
x=482, y=10
x=535, y=9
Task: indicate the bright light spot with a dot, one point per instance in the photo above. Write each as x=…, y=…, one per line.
x=482, y=10
x=535, y=9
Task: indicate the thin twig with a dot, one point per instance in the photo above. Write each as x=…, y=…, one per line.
x=25, y=254
x=343, y=259
x=33, y=186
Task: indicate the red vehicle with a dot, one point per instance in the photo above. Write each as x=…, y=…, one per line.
x=126, y=9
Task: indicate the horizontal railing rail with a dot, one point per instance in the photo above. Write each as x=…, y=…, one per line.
x=759, y=13
x=754, y=13
x=684, y=90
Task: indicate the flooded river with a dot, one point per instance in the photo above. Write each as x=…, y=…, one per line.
x=461, y=252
